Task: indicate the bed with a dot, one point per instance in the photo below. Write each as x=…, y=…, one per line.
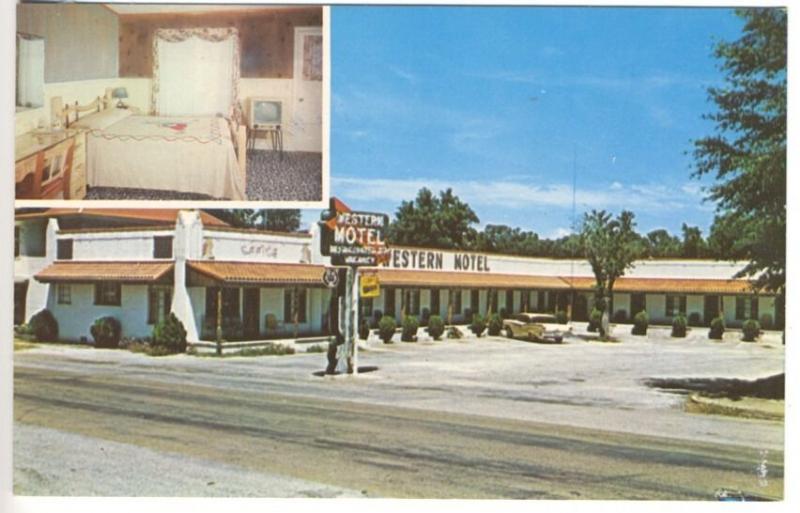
x=194, y=154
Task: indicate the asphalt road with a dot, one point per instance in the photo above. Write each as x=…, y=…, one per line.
x=379, y=450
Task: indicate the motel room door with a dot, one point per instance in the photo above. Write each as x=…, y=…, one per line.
x=251, y=313
x=306, y=128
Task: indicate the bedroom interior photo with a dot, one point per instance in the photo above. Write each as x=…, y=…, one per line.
x=169, y=102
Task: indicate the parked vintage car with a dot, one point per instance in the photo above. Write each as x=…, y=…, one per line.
x=540, y=327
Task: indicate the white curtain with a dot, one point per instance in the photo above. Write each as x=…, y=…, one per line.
x=30, y=72
x=195, y=76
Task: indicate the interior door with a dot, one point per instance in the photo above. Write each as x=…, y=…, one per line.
x=251, y=313
x=305, y=130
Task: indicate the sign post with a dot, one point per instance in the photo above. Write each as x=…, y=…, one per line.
x=352, y=239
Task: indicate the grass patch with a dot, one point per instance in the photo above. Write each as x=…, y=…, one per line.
x=317, y=348
x=270, y=349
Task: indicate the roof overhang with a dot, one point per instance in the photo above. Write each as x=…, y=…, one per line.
x=212, y=273
x=669, y=285
x=98, y=271
x=455, y=279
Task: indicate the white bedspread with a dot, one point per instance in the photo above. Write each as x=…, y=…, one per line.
x=185, y=154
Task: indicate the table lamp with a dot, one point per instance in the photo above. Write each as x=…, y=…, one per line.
x=119, y=93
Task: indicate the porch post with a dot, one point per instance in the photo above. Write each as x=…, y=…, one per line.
x=219, y=320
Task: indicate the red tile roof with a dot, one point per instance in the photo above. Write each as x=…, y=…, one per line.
x=256, y=272
x=158, y=215
x=90, y=271
x=669, y=285
x=446, y=279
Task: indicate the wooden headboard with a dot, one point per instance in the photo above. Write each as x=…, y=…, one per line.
x=69, y=114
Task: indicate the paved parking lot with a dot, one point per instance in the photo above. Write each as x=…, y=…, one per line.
x=579, y=383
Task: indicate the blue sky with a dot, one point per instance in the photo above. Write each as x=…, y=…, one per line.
x=502, y=104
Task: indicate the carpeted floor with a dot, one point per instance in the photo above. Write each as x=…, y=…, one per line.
x=296, y=177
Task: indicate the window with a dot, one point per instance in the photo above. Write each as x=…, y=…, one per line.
x=675, y=305
x=64, y=294
x=107, y=293
x=64, y=249
x=455, y=300
x=294, y=304
x=509, y=302
x=411, y=301
x=541, y=301
x=388, y=302
x=162, y=247
x=638, y=304
x=435, y=302
x=746, y=308
x=230, y=304
x=159, y=302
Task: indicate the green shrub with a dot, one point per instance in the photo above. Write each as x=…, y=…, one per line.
x=503, y=313
x=386, y=328
x=620, y=316
x=316, y=348
x=376, y=319
x=435, y=327
x=495, y=325
x=679, y=326
x=694, y=319
x=410, y=327
x=751, y=329
x=561, y=317
x=717, y=328
x=478, y=325
x=640, y=322
x=426, y=315
x=595, y=318
x=106, y=332
x=363, y=329
x=44, y=326
x=454, y=333
x=170, y=334
x=766, y=321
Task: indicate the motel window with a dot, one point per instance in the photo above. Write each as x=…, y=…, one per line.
x=509, y=302
x=675, y=305
x=107, y=293
x=64, y=249
x=746, y=308
x=388, y=302
x=365, y=305
x=230, y=304
x=411, y=301
x=294, y=304
x=475, y=300
x=541, y=301
x=455, y=300
x=435, y=302
x=159, y=302
x=162, y=247
x=64, y=294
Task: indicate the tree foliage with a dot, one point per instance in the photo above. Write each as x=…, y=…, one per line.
x=277, y=220
x=442, y=221
x=747, y=152
x=610, y=245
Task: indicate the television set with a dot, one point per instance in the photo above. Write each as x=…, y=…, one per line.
x=265, y=112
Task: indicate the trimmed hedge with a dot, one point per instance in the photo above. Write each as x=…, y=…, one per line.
x=106, y=332
x=595, y=318
x=679, y=326
x=495, y=325
x=170, y=334
x=386, y=328
x=477, y=325
x=751, y=329
x=640, y=322
x=716, y=328
x=435, y=327
x=44, y=326
x=410, y=327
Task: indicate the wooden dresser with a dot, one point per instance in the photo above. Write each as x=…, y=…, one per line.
x=51, y=165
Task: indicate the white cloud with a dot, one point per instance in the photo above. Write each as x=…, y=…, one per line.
x=404, y=74
x=558, y=233
x=505, y=193
x=615, y=186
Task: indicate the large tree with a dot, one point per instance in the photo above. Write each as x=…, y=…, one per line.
x=442, y=221
x=610, y=245
x=747, y=152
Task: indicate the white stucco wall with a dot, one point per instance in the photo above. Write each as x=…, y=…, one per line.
x=251, y=247
x=133, y=245
x=75, y=319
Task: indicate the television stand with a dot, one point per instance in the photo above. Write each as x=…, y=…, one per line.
x=272, y=132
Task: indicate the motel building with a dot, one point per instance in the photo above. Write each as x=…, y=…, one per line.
x=139, y=265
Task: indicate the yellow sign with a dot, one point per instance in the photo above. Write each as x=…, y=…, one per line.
x=370, y=286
